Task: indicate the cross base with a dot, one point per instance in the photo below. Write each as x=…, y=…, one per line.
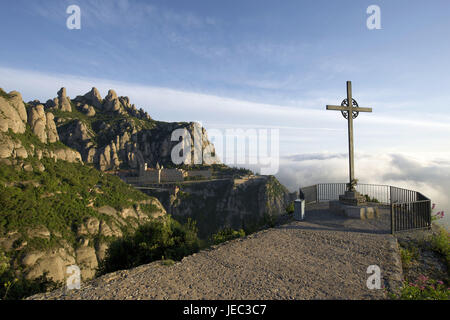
x=352, y=198
x=354, y=212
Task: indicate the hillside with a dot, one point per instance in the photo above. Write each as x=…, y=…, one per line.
x=62, y=204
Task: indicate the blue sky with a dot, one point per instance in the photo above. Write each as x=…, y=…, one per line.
x=269, y=51
x=289, y=58
x=254, y=64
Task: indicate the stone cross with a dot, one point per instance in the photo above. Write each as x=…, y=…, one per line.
x=350, y=111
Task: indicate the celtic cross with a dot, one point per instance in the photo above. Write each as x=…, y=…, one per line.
x=350, y=111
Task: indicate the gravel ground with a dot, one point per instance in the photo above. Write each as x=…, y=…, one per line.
x=322, y=257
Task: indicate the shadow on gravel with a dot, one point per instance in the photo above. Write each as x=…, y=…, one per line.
x=319, y=218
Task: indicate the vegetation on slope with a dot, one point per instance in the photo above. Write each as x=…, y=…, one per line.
x=227, y=234
x=59, y=198
x=160, y=239
x=3, y=94
x=14, y=286
x=426, y=266
x=105, y=126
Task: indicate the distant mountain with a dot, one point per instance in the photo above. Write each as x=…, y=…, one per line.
x=112, y=133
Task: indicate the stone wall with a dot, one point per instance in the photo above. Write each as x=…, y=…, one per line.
x=172, y=175
x=205, y=174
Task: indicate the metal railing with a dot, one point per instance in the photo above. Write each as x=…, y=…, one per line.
x=330, y=191
x=409, y=209
x=410, y=215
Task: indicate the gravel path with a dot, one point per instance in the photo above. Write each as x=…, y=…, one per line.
x=323, y=257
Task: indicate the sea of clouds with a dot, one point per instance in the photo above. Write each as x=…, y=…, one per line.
x=430, y=177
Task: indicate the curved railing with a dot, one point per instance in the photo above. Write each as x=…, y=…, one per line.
x=409, y=209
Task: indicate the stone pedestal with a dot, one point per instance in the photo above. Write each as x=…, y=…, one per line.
x=355, y=212
x=352, y=198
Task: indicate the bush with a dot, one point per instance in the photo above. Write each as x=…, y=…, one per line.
x=290, y=208
x=269, y=220
x=226, y=235
x=424, y=289
x=14, y=288
x=408, y=254
x=160, y=239
x=441, y=244
x=3, y=94
x=369, y=199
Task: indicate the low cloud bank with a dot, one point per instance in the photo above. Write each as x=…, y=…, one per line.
x=430, y=177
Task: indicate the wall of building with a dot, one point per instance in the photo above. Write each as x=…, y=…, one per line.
x=205, y=174
x=172, y=175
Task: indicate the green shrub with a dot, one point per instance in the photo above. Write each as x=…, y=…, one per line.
x=269, y=220
x=441, y=244
x=160, y=239
x=369, y=199
x=227, y=234
x=3, y=94
x=14, y=288
x=290, y=208
x=423, y=288
x=167, y=262
x=408, y=255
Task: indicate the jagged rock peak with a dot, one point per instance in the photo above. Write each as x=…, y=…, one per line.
x=112, y=95
x=112, y=103
x=62, y=93
x=62, y=102
x=12, y=113
x=94, y=97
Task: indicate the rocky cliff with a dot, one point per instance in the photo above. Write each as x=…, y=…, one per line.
x=237, y=203
x=28, y=131
x=112, y=133
x=56, y=211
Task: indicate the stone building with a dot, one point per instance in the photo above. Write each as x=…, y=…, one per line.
x=160, y=174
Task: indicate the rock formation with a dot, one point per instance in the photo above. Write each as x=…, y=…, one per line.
x=13, y=114
x=123, y=136
x=38, y=122
x=94, y=98
x=89, y=252
x=227, y=203
x=62, y=102
x=52, y=132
